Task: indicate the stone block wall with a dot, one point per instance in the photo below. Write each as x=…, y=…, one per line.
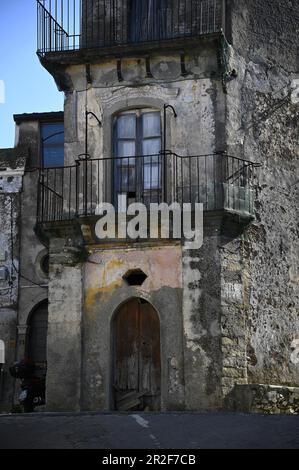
x=262, y=126
x=268, y=399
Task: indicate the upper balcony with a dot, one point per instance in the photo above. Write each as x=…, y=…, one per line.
x=113, y=26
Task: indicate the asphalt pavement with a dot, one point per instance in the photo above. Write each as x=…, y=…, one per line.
x=149, y=431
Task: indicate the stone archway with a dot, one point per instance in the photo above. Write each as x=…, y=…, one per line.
x=136, y=357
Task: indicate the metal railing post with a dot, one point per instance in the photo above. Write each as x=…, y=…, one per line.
x=223, y=13
x=77, y=187
x=38, y=196
x=164, y=151
x=43, y=195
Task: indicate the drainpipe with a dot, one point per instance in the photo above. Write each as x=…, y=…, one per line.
x=164, y=151
x=2, y=362
x=87, y=156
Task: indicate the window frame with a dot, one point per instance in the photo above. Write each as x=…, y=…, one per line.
x=141, y=192
x=44, y=145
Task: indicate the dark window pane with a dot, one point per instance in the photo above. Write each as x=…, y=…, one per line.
x=53, y=156
x=37, y=339
x=52, y=144
x=151, y=147
x=126, y=126
x=151, y=124
x=126, y=148
x=127, y=179
x=151, y=176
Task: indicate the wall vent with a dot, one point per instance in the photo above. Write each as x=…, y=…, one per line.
x=135, y=277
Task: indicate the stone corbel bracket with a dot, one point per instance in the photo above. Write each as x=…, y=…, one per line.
x=227, y=73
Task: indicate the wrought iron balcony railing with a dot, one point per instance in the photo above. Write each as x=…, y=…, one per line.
x=66, y=25
x=218, y=181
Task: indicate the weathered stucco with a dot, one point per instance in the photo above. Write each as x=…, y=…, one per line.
x=196, y=99
x=105, y=290
x=64, y=332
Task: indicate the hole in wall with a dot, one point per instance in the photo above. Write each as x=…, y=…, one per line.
x=135, y=277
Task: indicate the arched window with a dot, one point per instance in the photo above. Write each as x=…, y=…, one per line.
x=137, y=155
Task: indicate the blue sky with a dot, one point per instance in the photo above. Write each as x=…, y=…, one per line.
x=28, y=86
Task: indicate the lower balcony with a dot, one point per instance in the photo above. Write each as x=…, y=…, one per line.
x=221, y=183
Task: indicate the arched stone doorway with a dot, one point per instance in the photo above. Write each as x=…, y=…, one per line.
x=136, y=357
x=36, y=344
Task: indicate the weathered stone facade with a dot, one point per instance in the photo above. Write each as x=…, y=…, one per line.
x=12, y=166
x=268, y=399
x=228, y=311
x=26, y=285
x=262, y=122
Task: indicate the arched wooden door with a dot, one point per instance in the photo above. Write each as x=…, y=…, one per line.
x=137, y=357
x=37, y=336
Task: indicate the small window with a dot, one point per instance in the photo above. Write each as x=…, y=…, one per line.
x=52, y=144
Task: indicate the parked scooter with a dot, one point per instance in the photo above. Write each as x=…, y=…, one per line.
x=33, y=388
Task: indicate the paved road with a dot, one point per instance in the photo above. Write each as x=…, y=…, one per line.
x=148, y=431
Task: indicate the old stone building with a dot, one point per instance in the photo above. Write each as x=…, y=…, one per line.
x=165, y=101
x=23, y=289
